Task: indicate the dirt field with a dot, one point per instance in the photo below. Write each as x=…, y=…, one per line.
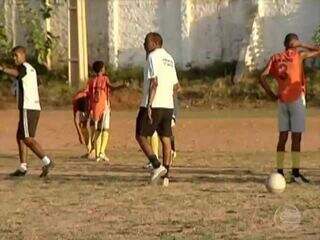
x=217, y=190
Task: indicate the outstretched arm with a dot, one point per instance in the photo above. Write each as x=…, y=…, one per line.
x=114, y=87
x=10, y=71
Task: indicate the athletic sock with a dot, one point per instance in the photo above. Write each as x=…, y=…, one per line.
x=172, y=144
x=104, y=141
x=154, y=142
x=280, y=160
x=23, y=167
x=154, y=161
x=45, y=160
x=295, y=158
x=97, y=144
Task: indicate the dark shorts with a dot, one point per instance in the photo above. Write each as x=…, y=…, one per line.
x=28, y=122
x=161, y=117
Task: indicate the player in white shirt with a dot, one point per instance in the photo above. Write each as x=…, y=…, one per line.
x=29, y=111
x=156, y=109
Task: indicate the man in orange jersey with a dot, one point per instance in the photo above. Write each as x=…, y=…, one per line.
x=98, y=91
x=287, y=68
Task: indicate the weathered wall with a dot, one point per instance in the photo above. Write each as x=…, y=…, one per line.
x=196, y=32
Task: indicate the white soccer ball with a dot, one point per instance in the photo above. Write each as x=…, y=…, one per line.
x=276, y=183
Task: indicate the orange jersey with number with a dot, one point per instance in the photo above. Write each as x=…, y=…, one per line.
x=287, y=69
x=99, y=93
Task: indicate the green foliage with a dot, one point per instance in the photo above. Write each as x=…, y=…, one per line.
x=213, y=71
x=42, y=41
x=316, y=35
x=5, y=43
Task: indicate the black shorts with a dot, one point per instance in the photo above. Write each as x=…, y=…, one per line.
x=161, y=118
x=28, y=122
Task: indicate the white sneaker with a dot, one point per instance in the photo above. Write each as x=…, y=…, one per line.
x=157, y=173
x=149, y=166
x=165, y=182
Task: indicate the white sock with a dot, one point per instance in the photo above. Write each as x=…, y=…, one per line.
x=23, y=167
x=45, y=160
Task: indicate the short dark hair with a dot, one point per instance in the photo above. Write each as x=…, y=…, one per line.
x=97, y=66
x=289, y=37
x=156, y=37
x=19, y=49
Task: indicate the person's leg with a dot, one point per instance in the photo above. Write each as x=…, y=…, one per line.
x=105, y=135
x=172, y=139
x=297, y=112
x=23, y=154
x=295, y=153
x=85, y=132
x=92, y=153
x=147, y=150
x=143, y=130
x=97, y=142
x=165, y=133
x=284, y=128
x=154, y=142
x=31, y=118
x=166, y=151
x=281, y=146
x=34, y=146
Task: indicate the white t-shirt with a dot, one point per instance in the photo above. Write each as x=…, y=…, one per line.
x=160, y=65
x=28, y=95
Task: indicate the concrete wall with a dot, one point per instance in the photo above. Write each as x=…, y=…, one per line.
x=195, y=32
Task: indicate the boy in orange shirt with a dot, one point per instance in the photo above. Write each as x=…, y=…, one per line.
x=98, y=91
x=287, y=68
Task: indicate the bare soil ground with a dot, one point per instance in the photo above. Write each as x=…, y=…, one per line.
x=217, y=189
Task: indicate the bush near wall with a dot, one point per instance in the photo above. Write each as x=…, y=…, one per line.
x=211, y=87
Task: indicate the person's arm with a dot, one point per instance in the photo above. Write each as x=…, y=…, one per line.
x=265, y=84
x=312, y=50
x=152, y=92
x=153, y=82
x=77, y=125
x=10, y=71
x=177, y=89
x=120, y=86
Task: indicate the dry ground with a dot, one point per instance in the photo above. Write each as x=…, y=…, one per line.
x=217, y=190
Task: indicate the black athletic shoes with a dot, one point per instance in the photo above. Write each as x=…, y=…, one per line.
x=18, y=173
x=46, y=169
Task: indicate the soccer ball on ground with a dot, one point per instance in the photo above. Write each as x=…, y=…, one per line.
x=275, y=183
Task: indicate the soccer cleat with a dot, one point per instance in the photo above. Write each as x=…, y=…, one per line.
x=157, y=173
x=18, y=173
x=46, y=169
x=299, y=180
x=165, y=182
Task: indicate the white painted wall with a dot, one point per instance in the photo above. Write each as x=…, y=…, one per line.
x=195, y=32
